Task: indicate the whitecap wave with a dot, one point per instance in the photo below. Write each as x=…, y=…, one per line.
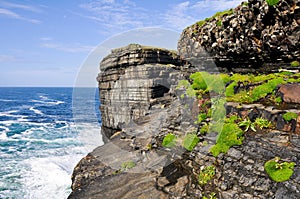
x=8, y=113
x=55, y=102
x=3, y=136
x=7, y=100
x=36, y=111
x=49, y=177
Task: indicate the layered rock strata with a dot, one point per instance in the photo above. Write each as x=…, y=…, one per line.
x=246, y=38
x=132, y=80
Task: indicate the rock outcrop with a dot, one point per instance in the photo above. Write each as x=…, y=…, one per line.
x=252, y=37
x=134, y=164
x=132, y=80
x=141, y=104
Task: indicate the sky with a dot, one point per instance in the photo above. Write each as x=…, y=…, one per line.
x=51, y=43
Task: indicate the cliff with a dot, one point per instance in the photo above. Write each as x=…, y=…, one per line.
x=134, y=79
x=249, y=38
x=170, y=134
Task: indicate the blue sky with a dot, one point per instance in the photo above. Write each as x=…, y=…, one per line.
x=46, y=43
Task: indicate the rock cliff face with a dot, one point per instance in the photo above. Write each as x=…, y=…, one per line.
x=134, y=164
x=132, y=80
x=250, y=36
x=140, y=105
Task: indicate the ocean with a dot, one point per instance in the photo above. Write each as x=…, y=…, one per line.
x=44, y=132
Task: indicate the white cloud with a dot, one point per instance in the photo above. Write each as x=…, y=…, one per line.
x=7, y=11
x=11, y=14
x=216, y=5
x=186, y=13
x=179, y=16
x=115, y=16
x=72, y=48
x=20, y=6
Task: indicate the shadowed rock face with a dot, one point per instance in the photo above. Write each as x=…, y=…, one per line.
x=132, y=80
x=255, y=35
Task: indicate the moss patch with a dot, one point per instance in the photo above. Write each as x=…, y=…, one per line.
x=295, y=64
x=289, y=116
x=230, y=135
x=169, y=140
x=279, y=171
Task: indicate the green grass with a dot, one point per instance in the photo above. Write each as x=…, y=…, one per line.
x=217, y=15
x=279, y=171
x=289, y=116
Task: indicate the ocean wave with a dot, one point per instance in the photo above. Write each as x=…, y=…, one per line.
x=36, y=111
x=3, y=136
x=7, y=100
x=8, y=113
x=49, y=177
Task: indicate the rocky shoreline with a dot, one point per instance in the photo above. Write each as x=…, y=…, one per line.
x=142, y=103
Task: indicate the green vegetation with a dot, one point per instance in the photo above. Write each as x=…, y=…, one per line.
x=190, y=92
x=289, y=116
x=279, y=171
x=169, y=140
x=212, y=93
x=230, y=89
x=261, y=91
x=206, y=174
x=262, y=123
x=245, y=3
x=127, y=165
x=216, y=16
x=247, y=124
x=230, y=135
x=295, y=64
x=272, y=2
x=211, y=195
x=190, y=140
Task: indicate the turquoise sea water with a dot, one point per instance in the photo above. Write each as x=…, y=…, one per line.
x=44, y=132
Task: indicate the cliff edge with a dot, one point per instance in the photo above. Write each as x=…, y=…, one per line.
x=172, y=131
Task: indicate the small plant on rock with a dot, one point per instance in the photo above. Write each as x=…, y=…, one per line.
x=272, y=2
x=169, y=140
x=279, y=171
x=295, y=64
x=289, y=116
x=127, y=165
x=247, y=124
x=262, y=123
x=206, y=174
x=190, y=140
